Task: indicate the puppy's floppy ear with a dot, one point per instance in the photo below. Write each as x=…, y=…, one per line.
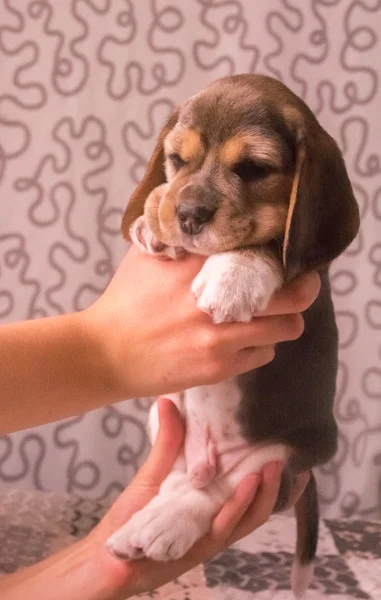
x=153, y=176
x=323, y=216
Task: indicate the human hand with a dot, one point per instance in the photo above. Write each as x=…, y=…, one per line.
x=156, y=341
x=248, y=509
x=88, y=571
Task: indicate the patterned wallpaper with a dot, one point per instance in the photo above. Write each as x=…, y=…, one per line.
x=85, y=86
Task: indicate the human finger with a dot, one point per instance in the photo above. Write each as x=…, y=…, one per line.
x=167, y=444
x=263, y=331
x=248, y=359
x=159, y=463
x=296, y=296
x=263, y=505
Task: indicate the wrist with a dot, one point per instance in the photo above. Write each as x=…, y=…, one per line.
x=100, y=371
x=51, y=369
x=76, y=572
x=106, y=358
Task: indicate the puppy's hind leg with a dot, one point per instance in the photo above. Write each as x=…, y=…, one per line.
x=168, y=526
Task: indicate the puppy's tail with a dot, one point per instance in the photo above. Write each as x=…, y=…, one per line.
x=307, y=518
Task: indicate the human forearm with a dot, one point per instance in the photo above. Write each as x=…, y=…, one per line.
x=49, y=369
x=78, y=572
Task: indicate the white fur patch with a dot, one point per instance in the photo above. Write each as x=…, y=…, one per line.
x=233, y=286
x=301, y=577
x=164, y=530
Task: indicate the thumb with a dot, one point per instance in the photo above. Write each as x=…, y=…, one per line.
x=166, y=447
x=158, y=465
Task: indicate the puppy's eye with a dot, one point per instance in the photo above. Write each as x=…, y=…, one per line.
x=248, y=170
x=177, y=161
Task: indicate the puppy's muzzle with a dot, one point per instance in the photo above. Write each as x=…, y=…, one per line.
x=193, y=217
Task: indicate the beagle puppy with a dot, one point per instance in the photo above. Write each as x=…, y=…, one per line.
x=244, y=174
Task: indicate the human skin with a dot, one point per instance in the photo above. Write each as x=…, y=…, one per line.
x=140, y=338
x=86, y=571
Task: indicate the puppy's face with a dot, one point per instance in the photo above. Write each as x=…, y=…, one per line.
x=240, y=164
x=229, y=164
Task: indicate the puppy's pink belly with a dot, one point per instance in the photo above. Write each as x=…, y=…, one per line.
x=200, y=456
x=213, y=443
x=232, y=456
x=208, y=458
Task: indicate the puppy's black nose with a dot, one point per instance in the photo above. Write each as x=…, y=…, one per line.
x=193, y=217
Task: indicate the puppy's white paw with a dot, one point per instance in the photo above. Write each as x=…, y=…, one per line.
x=143, y=237
x=161, y=532
x=233, y=286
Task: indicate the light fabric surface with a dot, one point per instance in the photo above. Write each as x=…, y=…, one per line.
x=34, y=525
x=85, y=86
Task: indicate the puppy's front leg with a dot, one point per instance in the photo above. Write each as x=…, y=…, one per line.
x=143, y=237
x=233, y=286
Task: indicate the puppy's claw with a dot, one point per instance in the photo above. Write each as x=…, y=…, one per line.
x=144, y=239
x=164, y=532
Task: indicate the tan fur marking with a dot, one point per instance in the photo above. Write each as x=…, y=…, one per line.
x=253, y=144
x=293, y=196
x=172, y=142
x=232, y=150
x=270, y=220
x=294, y=119
x=186, y=142
x=167, y=213
x=191, y=146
